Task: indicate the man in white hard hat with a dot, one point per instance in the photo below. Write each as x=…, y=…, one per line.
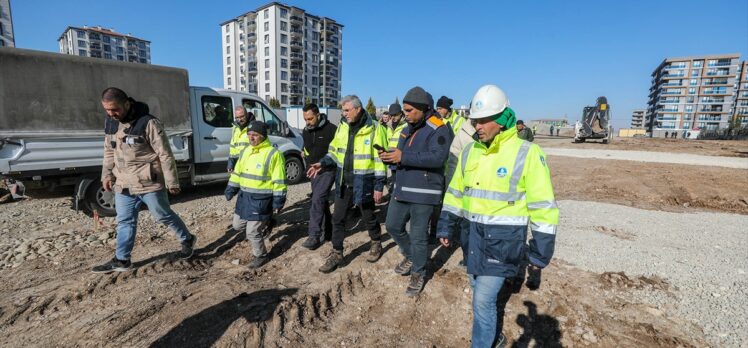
x=501, y=184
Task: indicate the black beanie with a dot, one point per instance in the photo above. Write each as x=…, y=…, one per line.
x=395, y=109
x=444, y=102
x=419, y=99
x=258, y=127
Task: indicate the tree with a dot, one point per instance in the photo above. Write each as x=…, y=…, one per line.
x=397, y=100
x=307, y=100
x=274, y=103
x=371, y=108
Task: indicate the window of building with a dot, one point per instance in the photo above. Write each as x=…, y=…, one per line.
x=228, y=60
x=228, y=39
x=284, y=99
x=266, y=26
x=314, y=80
x=81, y=34
x=284, y=51
x=266, y=13
x=267, y=99
x=118, y=41
x=226, y=28
x=267, y=75
x=107, y=55
x=81, y=43
x=107, y=48
x=314, y=58
x=82, y=53
x=315, y=47
x=267, y=87
x=267, y=63
x=122, y=58
x=698, y=63
x=314, y=69
x=107, y=39
x=284, y=75
x=267, y=39
x=267, y=51
x=284, y=26
x=143, y=60
x=228, y=71
x=284, y=63
x=217, y=110
x=284, y=87
x=284, y=38
x=228, y=49
x=2, y=42
x=695, y=72
x=284, y=13
x=694, y=82
x=141, y=45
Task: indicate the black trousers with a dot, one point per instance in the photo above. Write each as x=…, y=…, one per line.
x=320, y=219
x=339, y=214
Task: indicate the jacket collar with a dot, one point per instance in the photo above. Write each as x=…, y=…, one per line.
x=265, y=143
x=137, y=110
x=501, y=140
x=320, y=124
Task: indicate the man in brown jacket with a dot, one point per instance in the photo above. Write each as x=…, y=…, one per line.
x=139, y=166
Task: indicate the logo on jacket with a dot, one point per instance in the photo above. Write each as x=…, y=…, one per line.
x=366, y=142
x=258, y=166
x=501, y=172
x=542, y=160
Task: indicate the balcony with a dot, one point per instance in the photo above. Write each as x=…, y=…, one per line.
x=252, y=69
x=679, y=66
x=296, y=79
x=718, y=73
x=297, y=19
x=296, y=56
x=719, y=64
x=297, y=67
x=251, y=36
x=295, y=32
x=296, y=43
x=672, y=76
x=252, y=48
x=295, y=91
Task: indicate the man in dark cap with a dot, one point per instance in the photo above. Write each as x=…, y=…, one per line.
x=259, y=178
x=422, y=150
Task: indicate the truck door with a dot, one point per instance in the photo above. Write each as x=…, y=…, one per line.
x=214, y=118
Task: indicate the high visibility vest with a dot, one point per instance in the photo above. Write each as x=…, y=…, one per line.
x=455, y=120
x=261, y=170
x=393, y=135
x=369, y=172
x=499, y=190
x=238, y=142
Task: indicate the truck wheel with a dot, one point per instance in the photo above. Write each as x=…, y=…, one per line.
x=605, y=141
x=294, y=170
x=99, y=200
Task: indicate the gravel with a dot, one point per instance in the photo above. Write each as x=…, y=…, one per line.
x=649, y=156
x=703, y=255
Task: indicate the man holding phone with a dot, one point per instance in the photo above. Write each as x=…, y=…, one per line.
x=420, y=155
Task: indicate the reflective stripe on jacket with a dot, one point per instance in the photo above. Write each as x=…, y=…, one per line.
x=260, y=179
x=393, y=135
x=500, y=190
x=369, y=172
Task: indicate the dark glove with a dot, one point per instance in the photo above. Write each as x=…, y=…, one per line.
x=230, y=192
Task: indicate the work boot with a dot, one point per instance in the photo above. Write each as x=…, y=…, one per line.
x=416, y=285
x=375, y=251
x=257, y=262
x=403, y=268
x=332, y=261
x=311, y=243
x=113, y=265
x=188, y=248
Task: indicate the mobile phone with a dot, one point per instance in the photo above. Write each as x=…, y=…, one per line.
x=379, y=147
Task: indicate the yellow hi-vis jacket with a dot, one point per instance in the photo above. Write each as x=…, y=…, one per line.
x=393, y=135
x=238, y=142
x=369, y=172
x=455, y=121
x=260, y=180
x=499, y=190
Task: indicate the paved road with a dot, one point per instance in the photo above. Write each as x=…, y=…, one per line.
x=649, y=156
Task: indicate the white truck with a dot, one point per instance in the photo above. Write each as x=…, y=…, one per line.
x=52, y=122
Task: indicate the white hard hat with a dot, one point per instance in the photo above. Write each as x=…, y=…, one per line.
x=488, y=101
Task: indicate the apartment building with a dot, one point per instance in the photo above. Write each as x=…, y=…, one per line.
x=283, y=52
x=637, y=118
x=98, y=42
x=7, y=35
x=741, y=97
x=693, y=92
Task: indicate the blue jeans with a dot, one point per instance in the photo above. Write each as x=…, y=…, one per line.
x=127, y=207
x=485, y=293
x=414, y=244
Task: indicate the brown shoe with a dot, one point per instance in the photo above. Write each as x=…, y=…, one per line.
x=375, y=251
x=332, y=261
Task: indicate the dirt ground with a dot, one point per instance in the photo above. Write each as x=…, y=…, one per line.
x=214, y=300
x=699, y=147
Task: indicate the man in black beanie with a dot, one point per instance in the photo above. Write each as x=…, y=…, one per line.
x=422, y=150
x=445, y=111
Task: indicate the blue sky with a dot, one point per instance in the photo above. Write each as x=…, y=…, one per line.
x=551, y=57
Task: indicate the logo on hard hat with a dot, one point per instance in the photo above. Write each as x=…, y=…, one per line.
x=479, y=104
x=501, y=172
